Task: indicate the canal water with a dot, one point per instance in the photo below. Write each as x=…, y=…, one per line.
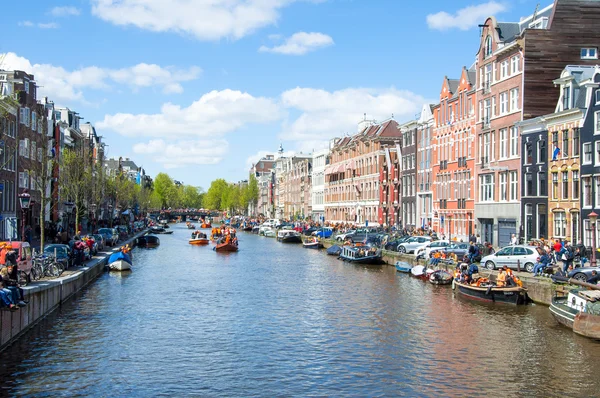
x=279, y=320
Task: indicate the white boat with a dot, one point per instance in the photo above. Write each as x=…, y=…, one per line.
x=120, y=265
x=289, y=236
x=270, y=232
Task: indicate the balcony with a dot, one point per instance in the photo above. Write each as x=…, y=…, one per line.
x=486, y=87
x=486, y=122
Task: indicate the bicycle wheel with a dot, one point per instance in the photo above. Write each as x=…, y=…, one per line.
x=23, y=278
x=59, y=267
x=52, y=270
x=36, y=272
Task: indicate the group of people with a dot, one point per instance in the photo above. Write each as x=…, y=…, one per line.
x=198, y=235
x=559, y=250
x=11, y=295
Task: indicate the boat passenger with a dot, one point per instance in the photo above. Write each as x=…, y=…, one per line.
x=501, y=279
x=453, y=257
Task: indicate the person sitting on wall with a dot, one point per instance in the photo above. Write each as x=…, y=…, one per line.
x=9, y=281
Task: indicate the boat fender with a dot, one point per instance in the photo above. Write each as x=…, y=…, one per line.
x=453, y=284
x=489, y=289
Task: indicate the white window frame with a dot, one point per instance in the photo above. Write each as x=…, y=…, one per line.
x=588, y=156
x=585, y=191
x=514, y=65
x=514, y=99
x=560, y=224
x=504, y=71
x=487, y=188
x=514, y=186
x=503, y=103
x=503, y=187
x=596, y=187
x=597, y=121
x=514, y=141
x=589, y=53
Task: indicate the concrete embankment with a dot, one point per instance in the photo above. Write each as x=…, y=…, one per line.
x=540, y=290
x=47, y=295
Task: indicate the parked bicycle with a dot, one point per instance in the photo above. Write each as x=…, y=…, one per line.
x=45, y=265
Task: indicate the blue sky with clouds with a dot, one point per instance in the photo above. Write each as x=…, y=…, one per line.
x=201, y=88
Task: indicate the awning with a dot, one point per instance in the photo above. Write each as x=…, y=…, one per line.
x=329, y=169
x=351, y=165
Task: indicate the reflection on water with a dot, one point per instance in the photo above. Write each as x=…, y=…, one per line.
x=279, y=320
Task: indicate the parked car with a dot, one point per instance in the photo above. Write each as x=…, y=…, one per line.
x=510, y=255
x=460, y=249
x=413, y=244
x=425, y=251
x=361, y=234
x=324, y=232
x=100, y=241
x=62, y=252
x=582, y=273
x=392, y=245
x=111, y=236
x=342, y=237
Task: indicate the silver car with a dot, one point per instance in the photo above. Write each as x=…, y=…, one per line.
x=413, y=244
x=510, y=256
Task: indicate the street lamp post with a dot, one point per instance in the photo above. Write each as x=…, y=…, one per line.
x=593, y=217
x=24, y=200
x=68, y=208
x=110, y=215
x=450, y=227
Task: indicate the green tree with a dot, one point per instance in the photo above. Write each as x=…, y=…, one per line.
x=217, y=195
x=165, y=188
x=191, y=197
x=74, y=180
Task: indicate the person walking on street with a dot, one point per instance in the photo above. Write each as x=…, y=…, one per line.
x=513, y=239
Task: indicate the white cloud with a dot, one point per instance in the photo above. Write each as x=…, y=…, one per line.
x=29, y=24
x=49, y=25
x=300, y=43
x=215, y=113
x=62, y=85
x=64, y=11
x=325, y=115
x=202, y=19
x=184, y=153
x=465, y=18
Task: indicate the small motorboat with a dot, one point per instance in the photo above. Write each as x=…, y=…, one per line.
x=198, y=238
x=255, y=229
x=578, y=309
x=312, y=243
x=270, y=233
x=226, y=247
x=119, y=261
x=441, y=277
x=205, y=225
x=160, y=230
x=289, y=236
x=419, y=271
x=190, y=226
x=402, y=266
x=334, y=250
x=147, y=241
x=490, y=292
x=361, y=254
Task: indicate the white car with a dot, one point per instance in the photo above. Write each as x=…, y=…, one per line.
x=341, y=237
x=425, y=251
x=413, y=244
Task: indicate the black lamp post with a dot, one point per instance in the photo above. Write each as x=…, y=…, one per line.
x=593, y=217
x=68, y=209
x=110, y=215
x=25, y=200
x=450, y=226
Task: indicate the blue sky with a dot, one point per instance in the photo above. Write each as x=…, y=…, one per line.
x=201, y=88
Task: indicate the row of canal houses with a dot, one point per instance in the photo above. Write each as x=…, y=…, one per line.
x=34, y=132
x=510, y=148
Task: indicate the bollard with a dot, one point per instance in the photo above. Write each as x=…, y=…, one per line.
x=518, y=265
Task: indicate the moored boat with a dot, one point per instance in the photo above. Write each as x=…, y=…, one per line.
x=334, y=250
x=312, y=243
x=361, y=254
x=147, y=241
x=421, y=271
x=270, y=233
x=289, y=236
x=441, y=277
x=489, y=292
x=579, y=310
x=119, y=261
x=404, y=267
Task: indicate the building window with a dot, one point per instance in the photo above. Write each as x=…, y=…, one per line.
x=503, y=144
x=587, y=153
x=542, y=184
x=541, y=155
x=565, y=144
x=587, y=191
x=575, y=227
x=514, y=99
x=575, y=142
x=597, y=153
x=597, y=192
x=528, y=222
x=488, y=46
x=487, y=187
x=560, y=224
x=514, y=62
x=575, y=184
x=26, y=84
x=528, y=153
x=503, y=186
x=555, y=186
x=566, y=97
x=565, y=185
x=597, y=123
x=589, y=53
x=514, y=185
x=504, y=69
x=514, y=141
x=503, y=103
x=542, y=212
x=528, y=184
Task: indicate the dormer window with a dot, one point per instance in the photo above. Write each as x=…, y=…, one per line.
x=589, y=53
x=566, y=97
x=488, y=46
x=597, y=97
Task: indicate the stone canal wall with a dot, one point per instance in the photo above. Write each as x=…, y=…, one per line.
x=47, y=296
x=539, y=290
